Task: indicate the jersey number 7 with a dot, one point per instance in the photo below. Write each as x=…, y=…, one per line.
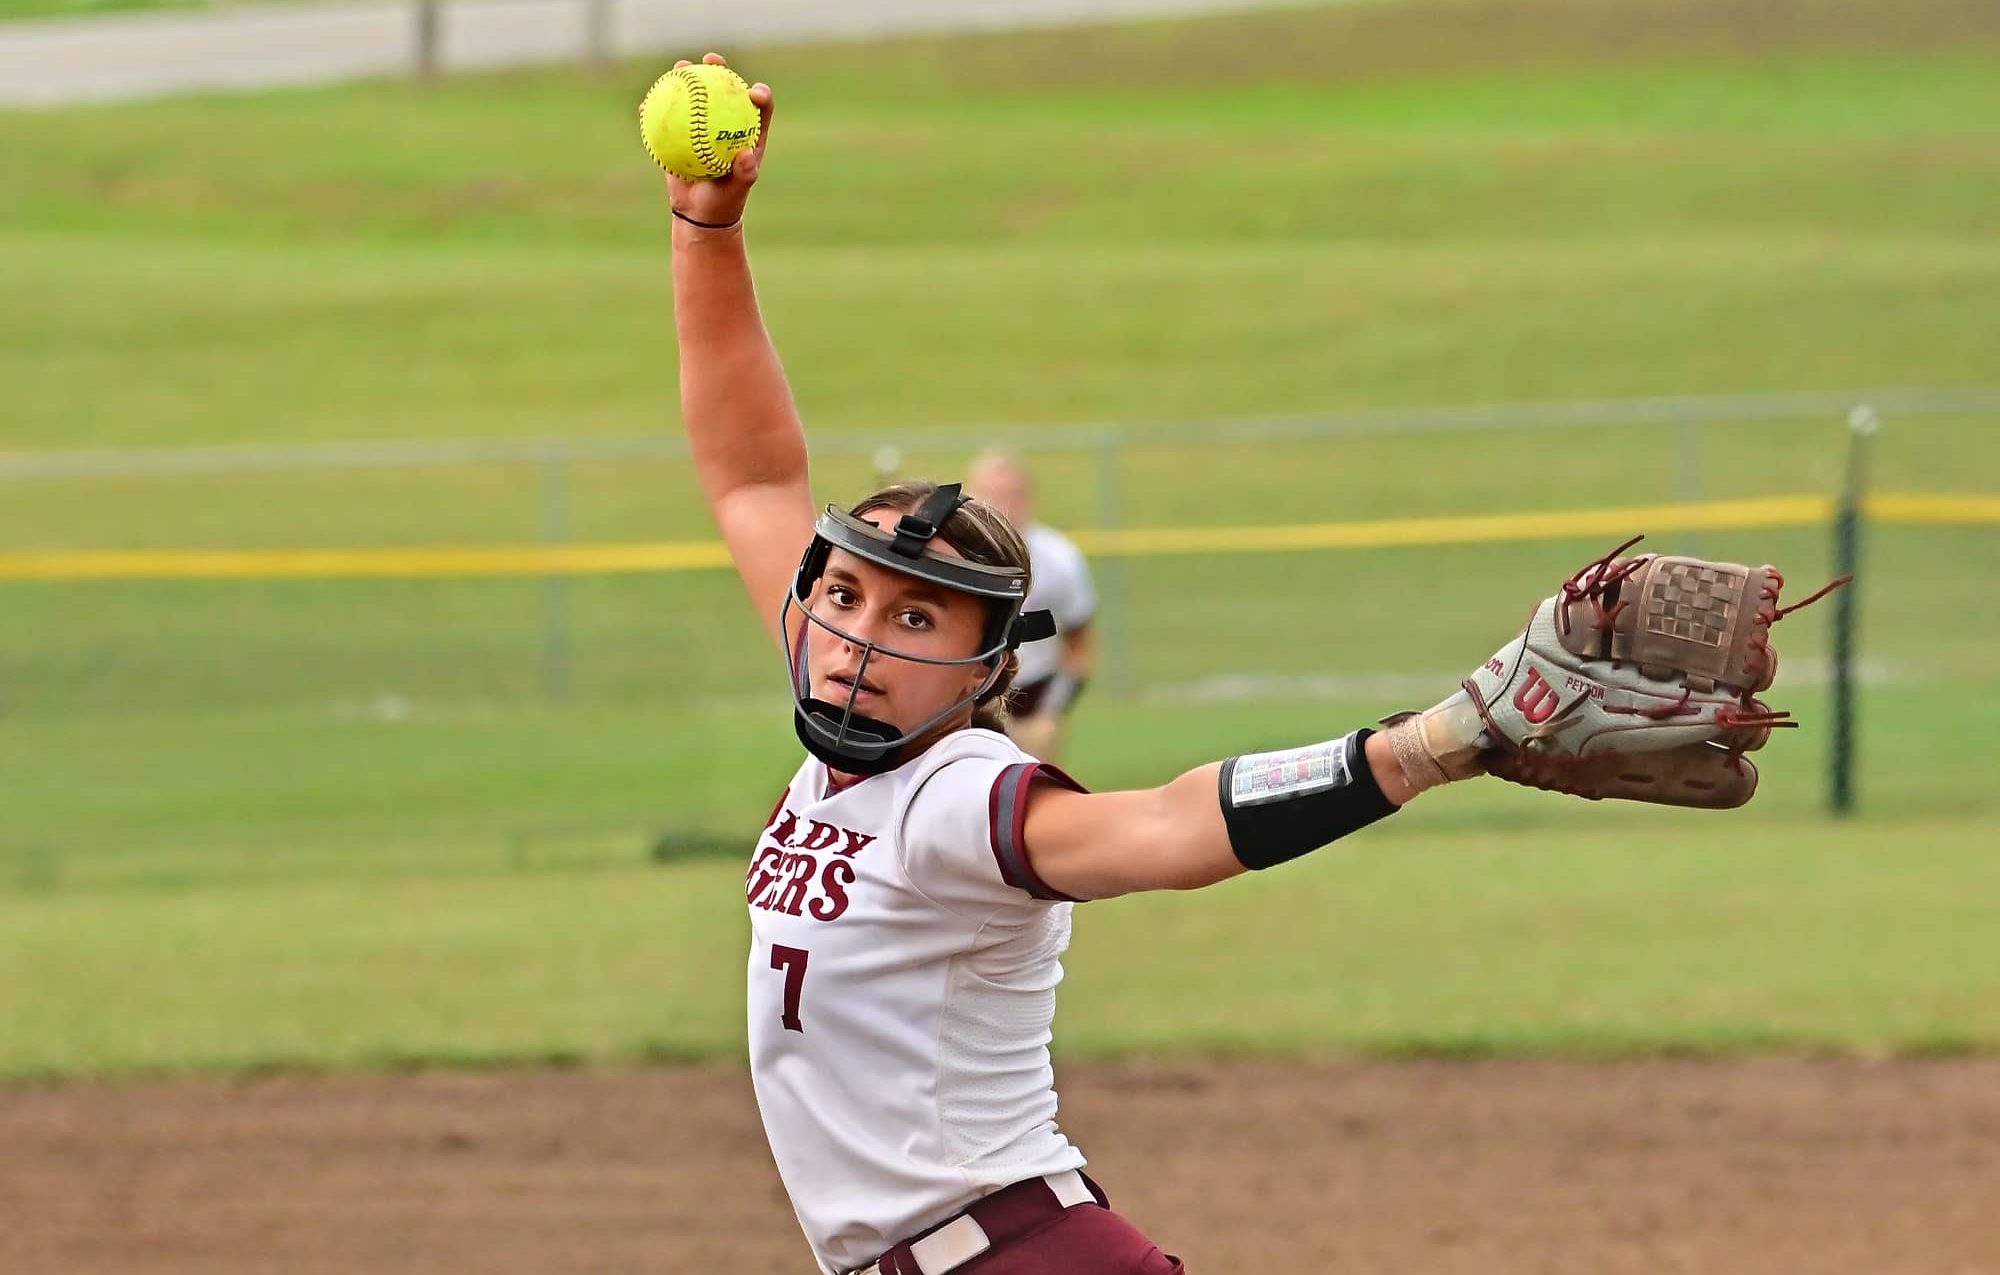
x=792, y=960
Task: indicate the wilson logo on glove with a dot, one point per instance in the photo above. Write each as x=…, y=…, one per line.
x=1667, y=657
x=1536, y=699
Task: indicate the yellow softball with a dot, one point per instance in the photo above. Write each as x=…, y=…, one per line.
x=696, y=119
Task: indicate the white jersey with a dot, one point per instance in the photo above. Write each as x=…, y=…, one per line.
x=1061, y=585
x=904, y=958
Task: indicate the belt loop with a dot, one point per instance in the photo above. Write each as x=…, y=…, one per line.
x=950, y=1246
x=1070, y=1189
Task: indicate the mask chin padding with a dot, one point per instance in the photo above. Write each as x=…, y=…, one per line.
x=864, y=746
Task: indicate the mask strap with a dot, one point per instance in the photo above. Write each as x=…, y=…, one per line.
x=1030, y=626
x=915, y=530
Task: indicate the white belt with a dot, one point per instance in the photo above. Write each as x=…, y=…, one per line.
x=962, y=1239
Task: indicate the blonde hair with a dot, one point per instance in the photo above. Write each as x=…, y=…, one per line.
x=980, y=533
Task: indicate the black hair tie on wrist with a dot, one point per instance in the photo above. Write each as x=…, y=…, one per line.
x=707, y=225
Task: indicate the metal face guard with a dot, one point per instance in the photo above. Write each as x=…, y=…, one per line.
x=853, y=742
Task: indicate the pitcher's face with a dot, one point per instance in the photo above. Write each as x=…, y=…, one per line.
x=896, y=613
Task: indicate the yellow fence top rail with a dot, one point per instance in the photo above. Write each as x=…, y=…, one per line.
x=1908, y=508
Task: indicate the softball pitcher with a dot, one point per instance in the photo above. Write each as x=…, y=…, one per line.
x=910, y=895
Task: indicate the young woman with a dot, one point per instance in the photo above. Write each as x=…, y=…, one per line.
x=910, y=894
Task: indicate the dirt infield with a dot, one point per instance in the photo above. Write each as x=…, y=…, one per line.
x=1762, y=1166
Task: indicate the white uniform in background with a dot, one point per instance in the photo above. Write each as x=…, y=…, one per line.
x=1061, y=585
x=903, y=964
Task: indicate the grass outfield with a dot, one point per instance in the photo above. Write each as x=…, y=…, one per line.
x=269, y=889
x=1485, y=920
x=1332, y=207
x=15, y=9
x=336, y=824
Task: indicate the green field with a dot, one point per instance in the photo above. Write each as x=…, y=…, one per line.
x=964, y=242
x=342, y=823
x=12, y=9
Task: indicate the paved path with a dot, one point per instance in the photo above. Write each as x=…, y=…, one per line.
x=140, y=55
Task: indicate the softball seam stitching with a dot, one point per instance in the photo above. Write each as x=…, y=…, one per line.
x=645, y=139
x=704, y=147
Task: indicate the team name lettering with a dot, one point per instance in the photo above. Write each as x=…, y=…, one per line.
x=786, y=874
x=763, y=870
x=833, y=882
x=820, y=837
x=782, y=831
x=791, y=894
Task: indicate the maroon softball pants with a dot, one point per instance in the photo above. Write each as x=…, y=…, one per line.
x=1085, y=1240
x=1033, y=1234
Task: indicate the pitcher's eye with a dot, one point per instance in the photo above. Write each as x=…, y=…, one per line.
x=840, y=595
x=915, y=619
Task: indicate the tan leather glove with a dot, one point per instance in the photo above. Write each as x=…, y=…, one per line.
x=1637, y=679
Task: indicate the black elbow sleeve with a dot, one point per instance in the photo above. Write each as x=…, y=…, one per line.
x=1278, y=806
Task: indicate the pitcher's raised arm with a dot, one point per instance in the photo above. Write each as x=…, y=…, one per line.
x=743, y=428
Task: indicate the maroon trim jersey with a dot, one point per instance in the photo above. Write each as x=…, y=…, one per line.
x=904, y=958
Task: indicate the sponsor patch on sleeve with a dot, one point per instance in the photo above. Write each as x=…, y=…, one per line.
x=1297, y=772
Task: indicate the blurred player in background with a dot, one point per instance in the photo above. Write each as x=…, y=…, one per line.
x=1053, y=670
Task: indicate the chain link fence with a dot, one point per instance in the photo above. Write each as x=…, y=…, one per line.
x=93, y=667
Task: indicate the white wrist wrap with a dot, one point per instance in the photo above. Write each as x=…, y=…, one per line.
x=1440, y=744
